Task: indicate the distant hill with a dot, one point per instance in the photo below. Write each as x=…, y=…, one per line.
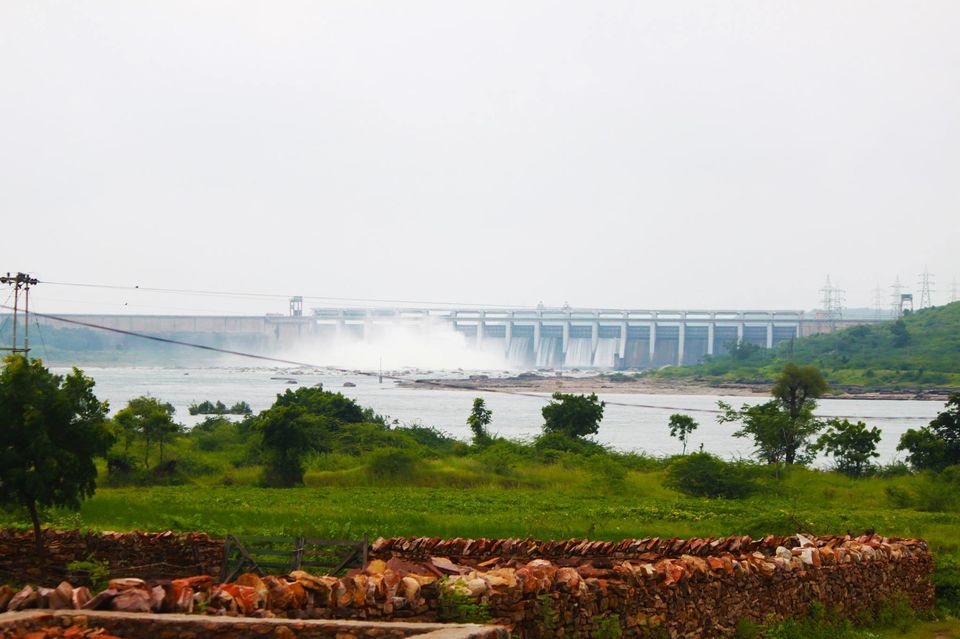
x=920, y=351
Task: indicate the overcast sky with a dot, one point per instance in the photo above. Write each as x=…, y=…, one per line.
x=621, y=154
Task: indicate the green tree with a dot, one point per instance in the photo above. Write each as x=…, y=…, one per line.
x=127, y=427
x=852, y=445
x=797, y=387
x=573, y=415
x=681, y=426
x=937, y=445
x=317, y=401
x=901, y=336
x=150, y=419
x=769, y=427
x=53, y=427
x=781, y=428
x=240, y=408
x=309, y=420
x=288, y=434
x=742, y=351
x=478, y=420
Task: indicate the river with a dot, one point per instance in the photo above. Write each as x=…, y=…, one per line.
x=631, y=421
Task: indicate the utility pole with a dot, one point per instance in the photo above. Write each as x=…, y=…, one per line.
x=20, y=282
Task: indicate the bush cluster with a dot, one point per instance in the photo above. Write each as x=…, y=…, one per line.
x=706, y=475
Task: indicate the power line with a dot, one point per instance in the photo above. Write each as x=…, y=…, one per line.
x=242, y=295
x=136, y=306
x=43, y=342
x=6, y=318
x=347, y=371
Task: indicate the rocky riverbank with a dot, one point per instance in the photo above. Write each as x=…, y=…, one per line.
x=629, y=384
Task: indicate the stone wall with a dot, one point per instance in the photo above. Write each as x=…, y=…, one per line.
x=685, y=587
x=127, y=626
x=648, y=587
x=165, y=554
x=578, y=551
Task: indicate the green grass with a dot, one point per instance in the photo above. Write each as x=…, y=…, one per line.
x=456, y=497
x=450, y=497
x=946, y=629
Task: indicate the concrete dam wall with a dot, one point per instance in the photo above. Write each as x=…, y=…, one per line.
x=522, y=338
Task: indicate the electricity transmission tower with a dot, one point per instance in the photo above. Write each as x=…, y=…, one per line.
x=832, y=299
x=896, y=298
x=953, y=290
x=20, y=282
x=926, y=288
x=879, y=301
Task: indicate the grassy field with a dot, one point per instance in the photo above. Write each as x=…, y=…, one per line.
x=445, y=500
x=450, y=498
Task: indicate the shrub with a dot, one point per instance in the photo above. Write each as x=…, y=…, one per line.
x=896, y=612
x=95, y=573
x=573, y=415
x=455, y=606
x=746, y=629
x=781, y=522
x=500, y=457
x=391, y=463
x=706, y=475
x=560, y=442
x=607, y=627
x=209, y=442
x=936, y=446
x=946, y=580
x=121, y=463
x=606, y=472
x=933, y=493
x=639, y=461
x=893, y=469
x=429, y=437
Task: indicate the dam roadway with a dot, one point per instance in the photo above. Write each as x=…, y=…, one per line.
x=526, y=337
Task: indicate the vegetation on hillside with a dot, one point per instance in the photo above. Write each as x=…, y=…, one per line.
x=920, y=351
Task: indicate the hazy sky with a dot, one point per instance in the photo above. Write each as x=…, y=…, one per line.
x=622, y=154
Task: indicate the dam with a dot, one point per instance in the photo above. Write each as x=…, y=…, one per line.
x=525, y=338
x=589, y=338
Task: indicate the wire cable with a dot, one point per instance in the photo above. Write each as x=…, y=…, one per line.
x=43, y=342
x=6, y=317
x=242, y=295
